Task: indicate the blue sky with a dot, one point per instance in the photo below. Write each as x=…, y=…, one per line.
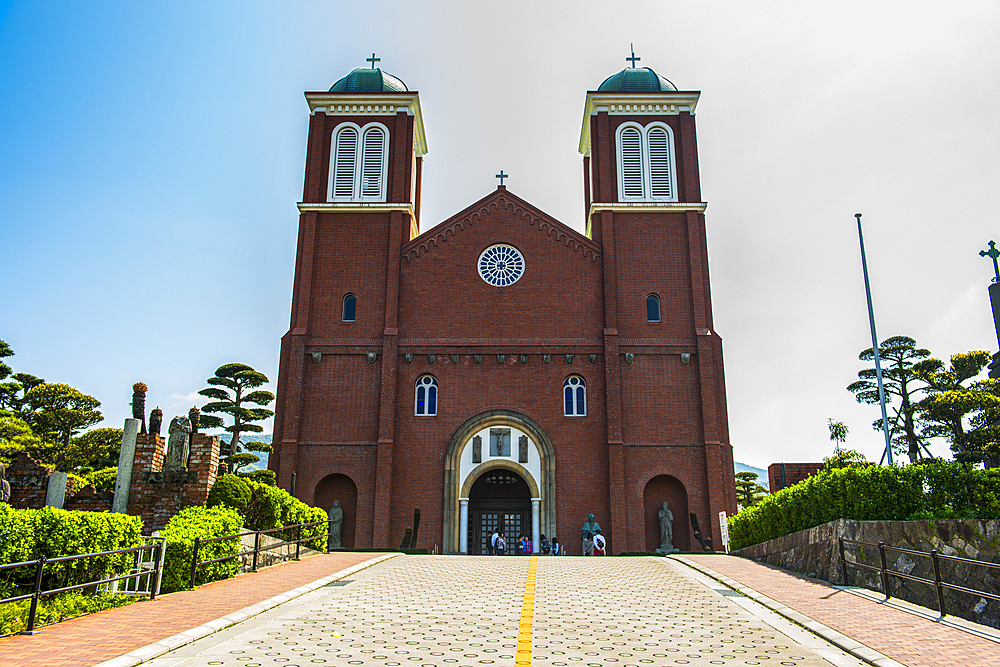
x=151, y=155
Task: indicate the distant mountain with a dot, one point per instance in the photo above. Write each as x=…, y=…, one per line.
x=253, y=437
x=761, y=473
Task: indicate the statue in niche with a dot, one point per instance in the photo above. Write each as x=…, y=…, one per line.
x=522, y=449
x=666, y=518
x=336, y=516
x=178, y=443
x=477, y=449
x=499, y=442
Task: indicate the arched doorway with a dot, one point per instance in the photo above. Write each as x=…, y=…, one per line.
x=500, y=500
x=342, y=488
x=666, y=488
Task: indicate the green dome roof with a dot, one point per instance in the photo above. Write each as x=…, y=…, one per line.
x=637, y=79
x=369, y=80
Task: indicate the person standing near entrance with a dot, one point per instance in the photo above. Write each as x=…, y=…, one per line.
x=499, y=545
x=557, y=549
x=493, y=543
x=599, y=543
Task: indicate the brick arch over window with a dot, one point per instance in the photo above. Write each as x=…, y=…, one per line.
x=670, y=489
x=546, y=486
x=339, y=487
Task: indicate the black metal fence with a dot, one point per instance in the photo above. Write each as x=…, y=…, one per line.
x=936, y=558
x=157, y=545
x=257, y=549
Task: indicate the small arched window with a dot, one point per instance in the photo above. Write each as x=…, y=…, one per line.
x=652, y=308
x=358, y=162
x=575, y=397
x=425, y=400
x=350, y=305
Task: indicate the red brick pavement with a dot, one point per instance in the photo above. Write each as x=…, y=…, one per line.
x=98, y=637
x=906, y=638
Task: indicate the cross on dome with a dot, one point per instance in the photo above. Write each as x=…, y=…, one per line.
x=373, y=60
x=633, y=57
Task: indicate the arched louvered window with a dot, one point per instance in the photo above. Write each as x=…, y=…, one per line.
x=660, y=186
x=425, y=400
x=350, y=305
x=358, y=162
x=575, y=397
x=646, y=163
x=373, y=164
x=630, y=155
x=652, y=308
x=345, y=159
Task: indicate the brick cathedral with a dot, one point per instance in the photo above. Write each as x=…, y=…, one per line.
x=499, y=370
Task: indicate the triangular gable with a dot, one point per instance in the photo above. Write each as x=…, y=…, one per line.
x=501, y=199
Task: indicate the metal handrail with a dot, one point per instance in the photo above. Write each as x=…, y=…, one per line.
x=935, y=557
x=158, y=543
x=257, y=549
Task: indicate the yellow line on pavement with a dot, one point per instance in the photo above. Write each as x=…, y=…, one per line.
x=523, y=655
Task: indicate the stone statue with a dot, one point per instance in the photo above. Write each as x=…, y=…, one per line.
x=587, y=533
x=155, y=420
x=178, y=443
x=4, y=485
x=139, y=404
x=336, y=516
x=477, y=449
x=522, y=449
x=194, y=415
x=666, y=518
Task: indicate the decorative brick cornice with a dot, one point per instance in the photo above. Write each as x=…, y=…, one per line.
x=501, y=200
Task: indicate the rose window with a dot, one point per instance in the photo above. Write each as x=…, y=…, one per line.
x=501, y=265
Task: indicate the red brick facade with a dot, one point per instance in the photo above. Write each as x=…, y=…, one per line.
x=656, y=426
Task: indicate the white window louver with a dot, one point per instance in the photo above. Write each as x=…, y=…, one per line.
x=659, y=164
x=345, y=161
x=631, y=157
x=371, y=164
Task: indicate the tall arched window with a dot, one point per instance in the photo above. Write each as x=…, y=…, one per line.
x=652, y=308
x=358, y=162
x=425, y=399
x=646, y=162
x=575, y=397
x=350, y=306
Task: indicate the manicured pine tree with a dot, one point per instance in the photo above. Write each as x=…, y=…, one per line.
x=234, y=389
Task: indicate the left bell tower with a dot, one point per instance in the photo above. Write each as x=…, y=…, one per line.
x=360, y=204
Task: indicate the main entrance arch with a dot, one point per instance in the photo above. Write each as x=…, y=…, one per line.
x=498, y=440
x=499, y=501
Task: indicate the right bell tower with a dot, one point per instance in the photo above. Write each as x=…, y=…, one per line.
x=664, y=369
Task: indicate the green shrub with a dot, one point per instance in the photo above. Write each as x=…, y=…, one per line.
x=26, y=535
x=202, y=523
x=269, y=507
x=231, y=491
x=924, y=491
x=55, y=608
x=103, y=479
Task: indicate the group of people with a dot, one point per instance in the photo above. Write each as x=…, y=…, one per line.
x=523, y=546
x=594, y=543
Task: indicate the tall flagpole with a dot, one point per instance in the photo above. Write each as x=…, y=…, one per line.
x=878, y=361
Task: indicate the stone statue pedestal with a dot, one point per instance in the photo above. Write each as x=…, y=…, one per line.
x=669, y=550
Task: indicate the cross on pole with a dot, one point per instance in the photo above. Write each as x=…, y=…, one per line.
x=373, y=60
x=502, y=176
x=993, y=254
x=633, y=57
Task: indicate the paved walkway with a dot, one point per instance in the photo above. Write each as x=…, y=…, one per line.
x=456, y=611
x=905, y=637
x=107, y=634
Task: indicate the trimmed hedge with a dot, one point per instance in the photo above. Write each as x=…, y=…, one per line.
x=202, y=523
x=14, y=615
x=264, y=507
x=27, y=534
x=874, y=493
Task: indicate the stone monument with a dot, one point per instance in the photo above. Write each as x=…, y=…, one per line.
x=666, y=518
x=178, y=443
x=336, y=517
x=155, y=420
x=139, y=390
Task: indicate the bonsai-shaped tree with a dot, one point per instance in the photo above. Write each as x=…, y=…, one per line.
x=233, y=389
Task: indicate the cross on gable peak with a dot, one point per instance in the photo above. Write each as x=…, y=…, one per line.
x=501, y=176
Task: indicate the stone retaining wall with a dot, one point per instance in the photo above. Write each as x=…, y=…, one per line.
x=815, y=552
